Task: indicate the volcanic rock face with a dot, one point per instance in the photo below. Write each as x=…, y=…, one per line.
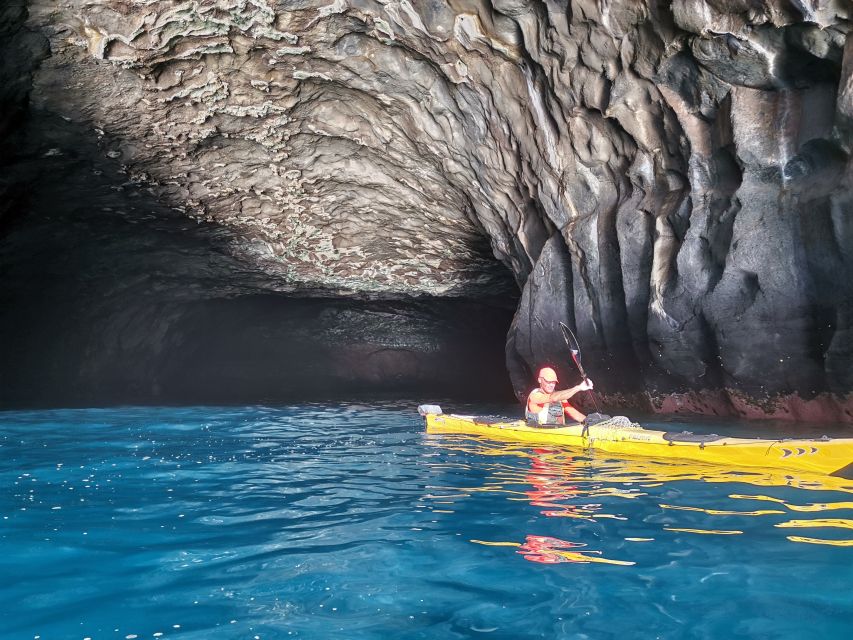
x=672, y=179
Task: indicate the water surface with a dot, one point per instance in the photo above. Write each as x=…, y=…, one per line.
x=347, y=520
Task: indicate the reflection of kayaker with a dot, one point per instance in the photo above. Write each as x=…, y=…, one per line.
x=550, y=486
x=546, y=405
x=546, y=549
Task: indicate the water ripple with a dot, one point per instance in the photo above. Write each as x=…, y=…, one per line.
x=347, y=520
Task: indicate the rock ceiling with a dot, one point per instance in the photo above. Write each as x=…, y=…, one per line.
x=345, y=145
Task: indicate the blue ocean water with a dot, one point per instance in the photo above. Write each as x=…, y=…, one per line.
x=348, y=521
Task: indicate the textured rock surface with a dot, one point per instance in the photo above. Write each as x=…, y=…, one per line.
x=671, y=178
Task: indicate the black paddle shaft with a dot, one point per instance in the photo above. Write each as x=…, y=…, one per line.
x=575, y=348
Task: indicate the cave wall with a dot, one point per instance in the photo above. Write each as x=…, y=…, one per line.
x=672, y=179
x=726, y=252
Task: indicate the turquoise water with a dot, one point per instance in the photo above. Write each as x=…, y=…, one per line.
x=347, y=521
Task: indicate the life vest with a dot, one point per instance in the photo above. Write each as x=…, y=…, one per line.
x=551, y=412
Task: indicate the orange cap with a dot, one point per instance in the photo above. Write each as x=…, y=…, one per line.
x=548, y=374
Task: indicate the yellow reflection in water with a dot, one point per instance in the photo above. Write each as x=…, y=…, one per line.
x=817, y=522
x=563, y=484
x=716, y=532
x=831, y=543
x=817, y=506
x=719, y=512
x=645, y=472
x=548, y=550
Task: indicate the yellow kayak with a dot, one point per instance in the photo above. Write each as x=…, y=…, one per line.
x=621, y=436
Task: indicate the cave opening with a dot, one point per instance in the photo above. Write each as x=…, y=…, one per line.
x=110, y=296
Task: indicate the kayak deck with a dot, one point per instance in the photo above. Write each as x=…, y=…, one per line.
x=825, y=455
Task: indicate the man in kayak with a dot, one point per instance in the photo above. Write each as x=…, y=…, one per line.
x=545, y=405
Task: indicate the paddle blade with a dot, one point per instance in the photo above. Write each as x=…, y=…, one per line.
x=574, y=347
x=570, y=339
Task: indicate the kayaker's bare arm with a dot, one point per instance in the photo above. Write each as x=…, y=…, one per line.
x=565, y=394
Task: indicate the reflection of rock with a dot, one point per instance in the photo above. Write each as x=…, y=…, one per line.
x=673, y=180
